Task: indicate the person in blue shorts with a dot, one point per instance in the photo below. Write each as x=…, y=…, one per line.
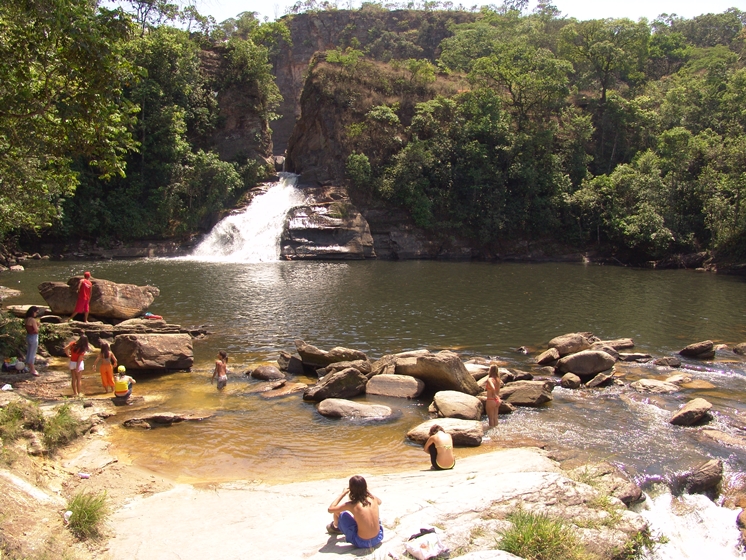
x=358, y=517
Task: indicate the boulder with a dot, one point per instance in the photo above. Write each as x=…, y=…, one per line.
x=454, y=404
x=698, y=384
x=441, y=371
x=600, y=379
x=603, y=347
x=586, y=363
x=284, y=390
x=264, y=387
x=340, y=384
x=478, y=371
x=109, y=300
x=634, y=357
x=654, y=386
x=315, y=357
x=527, y=393
x=387, y=364
x=570, y=343
x=162, y=419
x=342, y=408
x=392, y=385
x=740, y=348
x=465, y=433
x=267, y=373
x=704, y=479
x=548, y=358
x=667, y=361
x=699, y=349
x=20, y=310
x=363, y=366
x=618, y=343
x=289, y=363
x=508, y=375
x=691, y=413
x=609, y=480
x=679, y=379
x=570, y=381
x=154, y=352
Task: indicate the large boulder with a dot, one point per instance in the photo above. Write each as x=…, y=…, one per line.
x=266, y=373
x=109, y=300
x=701, y=350
x=387, y=364
x=340, y=384
x=289, y=363
x=454, y=404
x=342, y=408
x=586, y=363
x=441, y=371
x=692, y=412
x=465, y=433
x=317, y=358
x=570, y=343
x=527, y=393
x=154, y=352
x=392, y=385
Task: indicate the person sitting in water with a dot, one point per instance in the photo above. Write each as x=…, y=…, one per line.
x=440, y=447
x=221, y=370
x=123, y=384
x=358, y=517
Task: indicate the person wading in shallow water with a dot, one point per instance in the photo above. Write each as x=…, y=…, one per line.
x=221, y=370
x=358, y=517
x=83, y=305
x=440, y=447
x=492, y=404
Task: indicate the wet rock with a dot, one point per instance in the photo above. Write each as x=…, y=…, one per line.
x=634, y=357
x=162, y=419
x=454, y=404
x=705, y=479
x=679, y=379
x=392, y=385
x=668, y=361
x=154, y=352
x=570, y=381
x=618, y=343
x=701, y=350
x=340, y=384
x=548, y=358
x=609, y=480
x=312, y=356
x=740, y=348
x=654, y=386
x=363, y=366
x=264, y=387
x=691, y=413
x=570, y=343
x=441, y=371
x=267, y=373
x=289, y=363
x=342, y=408
x=698, y=384
x=137, y=423
x=283, y=390
x=586, y=363
x=602, y=378
x=725, y=439
x=108, y=299
x=465, y=433
x=527, y=393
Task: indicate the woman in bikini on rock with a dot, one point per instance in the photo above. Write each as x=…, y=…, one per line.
x=440, y=447
x=492, y=406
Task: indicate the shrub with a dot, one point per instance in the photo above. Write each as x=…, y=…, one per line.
x=88, y=511
x=539, y=537
x=60, y=428
x=12, y=336
x=17, y=416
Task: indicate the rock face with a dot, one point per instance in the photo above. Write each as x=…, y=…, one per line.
x=340, y=384
x=109, y=300
x=465, y=433
x=341, y=408
x=327, y=227
x=570, y=343
x=444, y=371
x=453, y=404
x=154, y=352
x=586, y=363
x=692, y=412
x=527, y=393
x=314, y=357
x=392, y=385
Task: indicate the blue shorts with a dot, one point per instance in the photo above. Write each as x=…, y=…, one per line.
x=348, y=526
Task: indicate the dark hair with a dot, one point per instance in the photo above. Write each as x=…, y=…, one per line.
x=223, y=355
x=359, y=490
x=81, y=345
x=105, y=349
x=435, y=428
x=31, y=310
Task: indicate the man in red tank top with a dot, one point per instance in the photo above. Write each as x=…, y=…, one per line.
x=84, y=297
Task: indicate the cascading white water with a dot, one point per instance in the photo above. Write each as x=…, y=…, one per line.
x=254, y=234
x=694, y=526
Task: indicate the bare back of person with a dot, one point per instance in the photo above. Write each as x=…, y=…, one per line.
x=366, y=517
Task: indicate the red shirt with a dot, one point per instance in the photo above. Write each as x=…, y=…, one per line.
x=84, y=289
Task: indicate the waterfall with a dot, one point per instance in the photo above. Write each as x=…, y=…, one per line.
x=252, y=235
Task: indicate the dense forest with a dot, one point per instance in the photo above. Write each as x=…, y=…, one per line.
x=612, y=133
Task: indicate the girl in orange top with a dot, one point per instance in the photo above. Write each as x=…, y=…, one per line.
x=108, y=362
x=77, y=351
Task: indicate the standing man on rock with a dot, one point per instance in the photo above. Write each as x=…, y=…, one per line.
x=83, y=304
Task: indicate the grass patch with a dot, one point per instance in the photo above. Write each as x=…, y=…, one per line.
x=19, y=416
x=60, y=428
x=539, y=537
x=88, y=511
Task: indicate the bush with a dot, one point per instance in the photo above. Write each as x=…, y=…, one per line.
x=61, y=428
x=88, y=511
x=12, y=336
x=16, y=417
x=539, y=537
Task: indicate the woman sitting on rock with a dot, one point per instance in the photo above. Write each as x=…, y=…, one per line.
x=440, y=447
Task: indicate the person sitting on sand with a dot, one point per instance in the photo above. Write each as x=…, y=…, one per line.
x=221, y=370
x=492, y=404
x=440, y=447
x=358, y=517
x=123, y=384
x=76, y=351
x=83, y=304
x=108, y=362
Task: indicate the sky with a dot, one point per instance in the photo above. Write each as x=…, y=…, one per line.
x=579, y=9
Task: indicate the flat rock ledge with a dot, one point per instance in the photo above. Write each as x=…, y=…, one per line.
x=469, y=504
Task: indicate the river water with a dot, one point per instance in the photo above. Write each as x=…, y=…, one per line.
x=255, y=310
